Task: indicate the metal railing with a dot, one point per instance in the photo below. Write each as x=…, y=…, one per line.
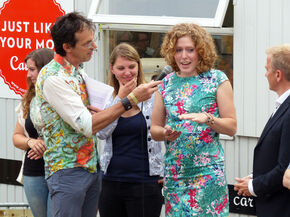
x=13, y=205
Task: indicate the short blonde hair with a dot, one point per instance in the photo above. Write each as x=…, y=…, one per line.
x=202, y=40
x=130, y=53
x=280, y=58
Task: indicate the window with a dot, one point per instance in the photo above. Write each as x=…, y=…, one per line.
x=209, y=13
x=148, y=46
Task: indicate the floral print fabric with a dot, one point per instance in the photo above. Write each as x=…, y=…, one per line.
x=65, y=147
x=195, y=182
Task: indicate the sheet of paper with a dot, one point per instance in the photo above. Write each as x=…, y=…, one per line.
x=99, y=93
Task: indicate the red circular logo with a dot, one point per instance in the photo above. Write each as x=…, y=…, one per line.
x=24, y=26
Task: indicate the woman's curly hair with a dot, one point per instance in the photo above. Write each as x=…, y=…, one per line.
x=203, y=42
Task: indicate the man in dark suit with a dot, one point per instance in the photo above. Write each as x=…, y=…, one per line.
x=272, y=152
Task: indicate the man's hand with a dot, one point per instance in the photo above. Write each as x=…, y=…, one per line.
x=286, y=179
x=145, y=91
x=242, y=186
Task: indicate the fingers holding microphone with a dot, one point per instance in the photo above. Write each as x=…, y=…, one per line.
x=144, y=91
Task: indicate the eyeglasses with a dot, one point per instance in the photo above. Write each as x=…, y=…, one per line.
x=91, y=44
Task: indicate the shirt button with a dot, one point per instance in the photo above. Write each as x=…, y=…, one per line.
x=149, y=139
x=147, y=117
x=150, y=150
x=149, y=128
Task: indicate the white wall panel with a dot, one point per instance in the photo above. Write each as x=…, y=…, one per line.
x=250, y=58
x=258, y=25
x=239, y=55
x=262, y=43
x=285, y=21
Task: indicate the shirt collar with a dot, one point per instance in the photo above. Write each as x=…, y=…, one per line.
x=282, y=98
x=67, y=65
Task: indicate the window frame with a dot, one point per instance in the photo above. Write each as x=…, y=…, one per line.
x=217, y=21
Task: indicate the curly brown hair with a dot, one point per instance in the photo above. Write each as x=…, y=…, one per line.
x=130, y=53
x=41, y=57
x=202, y=40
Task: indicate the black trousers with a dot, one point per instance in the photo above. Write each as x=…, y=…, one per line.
x=123, y=199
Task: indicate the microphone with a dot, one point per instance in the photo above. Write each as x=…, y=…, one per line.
x=165, y=71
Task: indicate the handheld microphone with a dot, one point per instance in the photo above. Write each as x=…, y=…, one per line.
x=165, y=71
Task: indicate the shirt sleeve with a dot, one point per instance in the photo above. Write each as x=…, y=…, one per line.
x=20, y=119
x=19, y=113
x=68, y=104
x=251, y=187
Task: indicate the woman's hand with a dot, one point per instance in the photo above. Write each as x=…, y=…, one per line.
x=33, y=156
x=37, y=146
x=127, y=88
x=160, y=182
x=169, y=134
x=196, y=117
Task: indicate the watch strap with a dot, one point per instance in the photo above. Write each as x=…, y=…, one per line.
x=126, y=103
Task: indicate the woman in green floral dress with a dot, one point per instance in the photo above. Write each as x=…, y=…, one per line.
x=194, y=104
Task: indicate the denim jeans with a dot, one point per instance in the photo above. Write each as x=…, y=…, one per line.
x=37, y=195
x=74, y=192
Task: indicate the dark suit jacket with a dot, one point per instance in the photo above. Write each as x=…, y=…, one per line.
x=271, y=159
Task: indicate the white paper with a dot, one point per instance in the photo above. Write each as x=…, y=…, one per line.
x=98, y=92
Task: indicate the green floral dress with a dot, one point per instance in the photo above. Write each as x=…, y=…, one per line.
x=195, y=182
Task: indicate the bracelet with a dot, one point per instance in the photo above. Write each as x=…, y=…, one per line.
x=133, y=97
x=208, y=117
x=27, y=141
x=212, y=120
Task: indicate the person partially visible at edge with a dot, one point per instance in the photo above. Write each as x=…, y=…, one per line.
x=193, y=106
x=25, y=137
x=286, y=178
x=272, y=152
x=131, y=160
x=60, y=111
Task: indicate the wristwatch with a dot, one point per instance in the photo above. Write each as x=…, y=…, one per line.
x=126, y=103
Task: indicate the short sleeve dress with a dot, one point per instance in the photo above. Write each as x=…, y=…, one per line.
x=195, y=182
